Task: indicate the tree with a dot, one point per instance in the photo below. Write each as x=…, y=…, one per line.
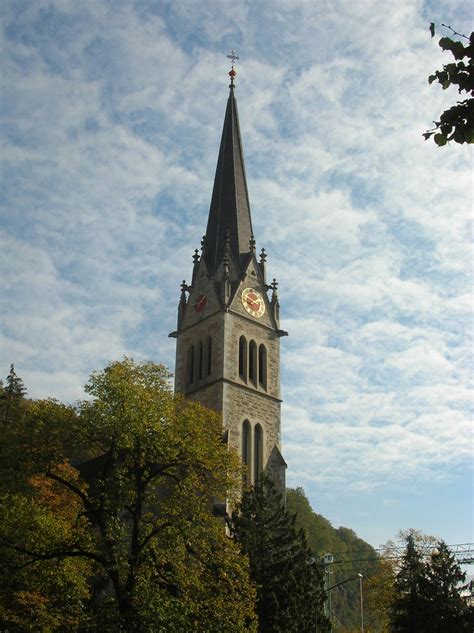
x=409, y=606
x=457, y=122
x=147, y=465
x=290, y=593
x=11, y=397
x=379, y=593
x=427, y=592
x=447, y=610
x=41, y=593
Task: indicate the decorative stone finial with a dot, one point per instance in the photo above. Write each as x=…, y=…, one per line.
x=183, y=299
x=204, y=244
x=252, y=243
x=196, y=257
x=225, y=264
x=274, y=286
x=263, y=256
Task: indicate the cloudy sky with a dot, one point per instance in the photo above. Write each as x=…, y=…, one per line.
x=112, y=114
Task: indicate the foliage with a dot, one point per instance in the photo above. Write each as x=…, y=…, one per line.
x=41, y=593
x=352, y=555
x=290, y=593
x=428, y=592
x=447, y=608
x=136, y=515
x=457, y=122
x=409, y=606
x=379, y=593
x=12, y=397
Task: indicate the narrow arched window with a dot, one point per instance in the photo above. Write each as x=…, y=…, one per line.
x=262, y=366
x=190, y=365
x=246, y=450
x=209, y=355
x=258, y=452
x=253, y=362
x=200, y=360
x=243, y=358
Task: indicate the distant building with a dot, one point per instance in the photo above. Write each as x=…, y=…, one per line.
x=228, y=332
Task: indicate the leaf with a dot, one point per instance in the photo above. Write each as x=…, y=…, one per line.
x=446, y=43
x=440, y=139
x=446, y=84
x=458, y=50
x=432, y=29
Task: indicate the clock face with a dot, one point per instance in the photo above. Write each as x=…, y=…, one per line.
x=200, y=303
x=253, y=302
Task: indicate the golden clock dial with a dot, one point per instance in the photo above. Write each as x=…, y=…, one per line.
x=253, y=302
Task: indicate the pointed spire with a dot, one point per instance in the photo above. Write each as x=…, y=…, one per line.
x=230, y=208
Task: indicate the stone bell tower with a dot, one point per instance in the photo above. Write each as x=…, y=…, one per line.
x=228, y=333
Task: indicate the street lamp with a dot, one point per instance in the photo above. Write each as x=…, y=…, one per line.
x=361, y=604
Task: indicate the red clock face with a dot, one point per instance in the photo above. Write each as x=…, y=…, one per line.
x=253, y=302
x=200, y=303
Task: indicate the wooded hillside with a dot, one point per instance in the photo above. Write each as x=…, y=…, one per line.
x=352, y=555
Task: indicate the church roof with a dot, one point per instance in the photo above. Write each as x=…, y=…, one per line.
x=229, y=214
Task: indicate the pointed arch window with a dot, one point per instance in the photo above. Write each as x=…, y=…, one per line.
x=208, y=356
x=190, y=365
x=262, y=366
x=253, y=362
x=243, y=358
x=258, y=452
x=200, y=360
x=246, y=450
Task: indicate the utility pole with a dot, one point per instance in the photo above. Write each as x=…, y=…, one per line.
x=361, y=604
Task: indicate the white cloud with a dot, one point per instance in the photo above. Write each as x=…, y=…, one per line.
x=111, y=131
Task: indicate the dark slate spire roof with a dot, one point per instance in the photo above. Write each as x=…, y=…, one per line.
x=230, y=209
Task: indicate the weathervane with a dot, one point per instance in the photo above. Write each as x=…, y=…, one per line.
x=233, y=57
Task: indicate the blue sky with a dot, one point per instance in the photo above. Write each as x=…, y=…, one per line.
x=112, y=115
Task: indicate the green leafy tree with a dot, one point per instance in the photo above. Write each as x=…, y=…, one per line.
x=379, y=593
x=139, y=511
x=457, y=122
x=290, y=593
x=44, y=593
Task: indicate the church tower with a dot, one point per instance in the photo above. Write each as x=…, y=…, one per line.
x=228, y=334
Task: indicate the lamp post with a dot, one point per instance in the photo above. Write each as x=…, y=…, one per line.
x=361, y=604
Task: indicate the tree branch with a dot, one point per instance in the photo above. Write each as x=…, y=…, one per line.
x=446, y=26
x=59, y=554
x=152, y=534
